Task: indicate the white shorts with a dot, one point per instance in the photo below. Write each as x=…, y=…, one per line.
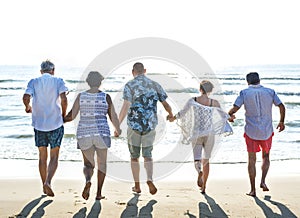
x=205, y=143
x=101, y=142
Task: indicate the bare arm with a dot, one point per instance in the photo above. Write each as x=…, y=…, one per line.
x=168, y=109
x=281, y=125
x=113, y=116
x=74, y=111
x=124, y=110
x=231, y=113
x=26, y=102
x=64, y=103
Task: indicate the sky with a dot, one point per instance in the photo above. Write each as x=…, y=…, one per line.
x=224, y=33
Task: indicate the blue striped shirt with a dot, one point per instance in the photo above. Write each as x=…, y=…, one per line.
x=258, y=102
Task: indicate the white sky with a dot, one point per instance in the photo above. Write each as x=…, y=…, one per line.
x=223, y=32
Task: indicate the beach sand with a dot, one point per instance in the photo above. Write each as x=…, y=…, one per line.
x=177, y=196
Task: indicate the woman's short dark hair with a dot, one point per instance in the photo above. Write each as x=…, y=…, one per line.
x=94, y=79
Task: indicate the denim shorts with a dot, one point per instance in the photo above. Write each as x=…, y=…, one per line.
x=53, y=137
x=138, y=142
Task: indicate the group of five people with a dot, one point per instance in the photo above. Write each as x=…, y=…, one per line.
x=140, y=96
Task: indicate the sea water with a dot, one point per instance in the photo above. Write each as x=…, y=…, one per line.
x=17, y=136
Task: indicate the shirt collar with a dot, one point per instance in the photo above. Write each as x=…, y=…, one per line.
x=140, y=75
x=255, y=86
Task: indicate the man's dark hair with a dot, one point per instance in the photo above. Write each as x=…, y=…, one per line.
x=138, y=67
x=253, y=78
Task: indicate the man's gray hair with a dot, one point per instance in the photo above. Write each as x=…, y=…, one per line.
x=47, y=66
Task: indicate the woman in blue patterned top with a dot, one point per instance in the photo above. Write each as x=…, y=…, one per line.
x=93, y=133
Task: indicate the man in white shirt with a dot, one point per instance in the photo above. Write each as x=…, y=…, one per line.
x=49, y=104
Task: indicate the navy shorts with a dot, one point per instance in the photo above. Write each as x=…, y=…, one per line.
x=53, y=137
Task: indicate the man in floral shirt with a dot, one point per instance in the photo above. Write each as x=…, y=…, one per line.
x=140, y=104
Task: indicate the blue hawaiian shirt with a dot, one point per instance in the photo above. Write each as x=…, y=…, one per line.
x=143, y=94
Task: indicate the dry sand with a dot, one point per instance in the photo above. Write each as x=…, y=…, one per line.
x=177, y=196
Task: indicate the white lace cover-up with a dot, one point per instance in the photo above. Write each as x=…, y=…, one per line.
x=197, y=120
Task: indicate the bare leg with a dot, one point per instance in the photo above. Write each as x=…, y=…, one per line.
x=135, y=168
x=43, y=155
x=205, y=163
x=52, y=166
x=197, y=152
x=252, y=172
x=265, y=167
x=101, y=159
x=88, y=171
x=148, y=163
x=198, y=167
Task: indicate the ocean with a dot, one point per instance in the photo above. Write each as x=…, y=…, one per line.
x=17, y=137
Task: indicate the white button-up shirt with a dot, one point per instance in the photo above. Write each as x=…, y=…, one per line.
x=46, y=107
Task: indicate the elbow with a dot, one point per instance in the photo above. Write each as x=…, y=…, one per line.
x=64, y=100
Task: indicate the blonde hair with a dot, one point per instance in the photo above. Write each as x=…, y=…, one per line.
x=206, y=86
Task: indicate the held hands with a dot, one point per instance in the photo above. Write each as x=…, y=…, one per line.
x=231, y=118
x=28, y=109
x=280, y=126
x=171, y=118
x=117, y=133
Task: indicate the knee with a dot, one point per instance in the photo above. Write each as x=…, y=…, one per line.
x=265, y=156
x=147, y=159
x=89, y=165
x=134, y=159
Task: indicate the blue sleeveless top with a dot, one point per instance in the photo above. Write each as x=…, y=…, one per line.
x=93, y=111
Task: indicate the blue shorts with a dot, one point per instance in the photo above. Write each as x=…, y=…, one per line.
x=53, y=137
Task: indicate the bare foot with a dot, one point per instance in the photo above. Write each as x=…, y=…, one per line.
x=203, y=190
x=200, y=181
x=136, y=190
x=100, y=197
x=264, y=187
x=86, y=191
x=252, y=194
x=152, y=188
x=47, y=190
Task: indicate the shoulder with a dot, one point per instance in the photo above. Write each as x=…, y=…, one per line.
x=130, y=83
x=267, y=89
x=215, y=103
x=32, y=80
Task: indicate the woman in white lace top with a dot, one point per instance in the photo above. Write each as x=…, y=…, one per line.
x=200, y=120
x=93, y=133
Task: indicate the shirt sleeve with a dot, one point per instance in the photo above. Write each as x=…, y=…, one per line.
x=30, y=88
x=239, y=100
x=61, y=86
x=276, y=99
x=127, y=93
x=162, y=95
x=185, y=108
